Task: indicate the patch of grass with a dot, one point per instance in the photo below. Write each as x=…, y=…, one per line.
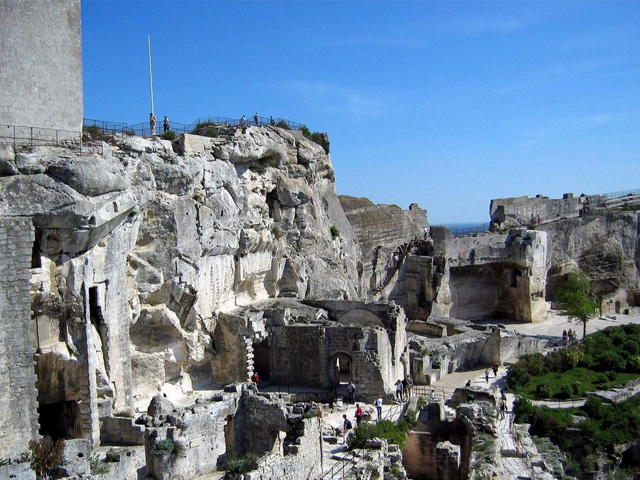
x=169, y=135
x=97, y=466
x=206, y=129
x=392, y=432
x=283, y=124
x=164, y=447
x=603, y=360
x=335, y=233
x=240, y=464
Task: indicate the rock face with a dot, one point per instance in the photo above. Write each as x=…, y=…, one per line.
x=139, y=251
x=380, y=230
x=597, y=234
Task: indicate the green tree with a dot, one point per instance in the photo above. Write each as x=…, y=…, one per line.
x=576, y=302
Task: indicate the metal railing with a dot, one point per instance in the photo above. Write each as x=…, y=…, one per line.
x=343, y=466
x=621, y=194
x=20, y=135
x=144, y=128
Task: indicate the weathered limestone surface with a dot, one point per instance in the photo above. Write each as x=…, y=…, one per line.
x=380, y=229
x=604, y=244
x=139, y=252
x=474, y=277
x=592, y=233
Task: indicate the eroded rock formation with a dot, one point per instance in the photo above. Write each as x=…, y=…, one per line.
x=137, y=252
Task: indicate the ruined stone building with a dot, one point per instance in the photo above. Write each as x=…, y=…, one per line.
x=597, y=234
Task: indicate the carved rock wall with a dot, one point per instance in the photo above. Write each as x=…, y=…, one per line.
x=140, y=250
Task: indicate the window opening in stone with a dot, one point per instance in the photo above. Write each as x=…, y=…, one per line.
x=60, y=420
x=36, y=261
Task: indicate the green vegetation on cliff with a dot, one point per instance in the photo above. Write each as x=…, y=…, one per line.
x=604, y=359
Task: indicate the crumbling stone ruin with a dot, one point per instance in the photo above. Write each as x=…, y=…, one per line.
x=597, y=234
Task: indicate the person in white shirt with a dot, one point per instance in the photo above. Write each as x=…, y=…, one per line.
x=378, y=404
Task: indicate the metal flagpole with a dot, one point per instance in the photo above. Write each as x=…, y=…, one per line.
x=150, y=74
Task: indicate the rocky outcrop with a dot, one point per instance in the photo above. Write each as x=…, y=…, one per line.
x=140, y=251
x=604, y=244
x=380, y=230
x=597, y=234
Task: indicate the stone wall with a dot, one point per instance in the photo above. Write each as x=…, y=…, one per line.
x=438, y=450
x=41, y=82
x=380, y=229
x=262, y=423
x=299, y=356
x=301, y=462
x=476, y=277
x=520, y=212
x=18, y=401
x=203, y=433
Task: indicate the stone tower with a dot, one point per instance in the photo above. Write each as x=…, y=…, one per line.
x=41, y=64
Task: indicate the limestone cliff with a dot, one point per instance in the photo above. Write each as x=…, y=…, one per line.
x=380, y=230
x=139, y=249
x=597, y=234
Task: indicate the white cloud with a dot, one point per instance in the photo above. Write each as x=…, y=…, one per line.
x=332, y=98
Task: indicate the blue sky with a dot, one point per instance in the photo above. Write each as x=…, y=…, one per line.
x=444, y=103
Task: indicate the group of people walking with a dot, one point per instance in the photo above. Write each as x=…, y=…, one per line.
x=403, y=389
x=569, y=337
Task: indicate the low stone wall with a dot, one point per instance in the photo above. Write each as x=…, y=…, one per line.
x=120, y=431
x=200, y=434
x=302, y=461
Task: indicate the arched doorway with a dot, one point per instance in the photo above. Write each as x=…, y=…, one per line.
x=341, y=364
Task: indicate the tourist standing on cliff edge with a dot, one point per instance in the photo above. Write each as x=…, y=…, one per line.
x=152, y=123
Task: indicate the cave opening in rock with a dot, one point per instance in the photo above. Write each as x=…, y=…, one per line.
x=273, y=204
x=60, y=420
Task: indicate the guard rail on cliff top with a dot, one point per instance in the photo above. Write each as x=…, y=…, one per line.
x=624, y=193
x=144, y=128
x=19, y=135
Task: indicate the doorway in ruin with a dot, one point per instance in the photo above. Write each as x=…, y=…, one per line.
x=262, y=359
x=60, y=420
x=342, y=368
